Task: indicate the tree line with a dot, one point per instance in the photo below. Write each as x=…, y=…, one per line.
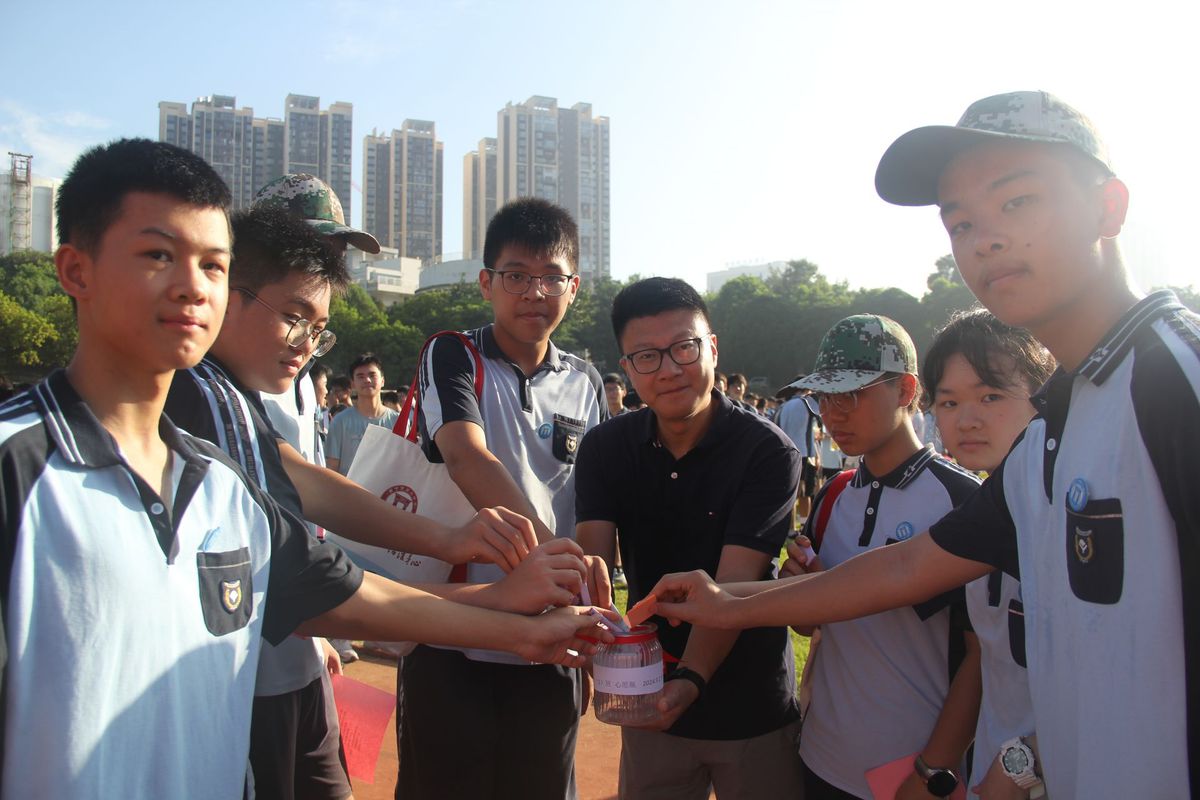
x=766, y=327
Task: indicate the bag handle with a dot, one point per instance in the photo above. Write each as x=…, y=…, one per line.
x=406, y=424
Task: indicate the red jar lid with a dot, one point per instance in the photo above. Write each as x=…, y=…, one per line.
x=647, y=632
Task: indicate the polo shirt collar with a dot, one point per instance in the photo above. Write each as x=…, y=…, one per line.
x=1051, y=400
x=899, y=477
x=80, y=437
x=252, y=397
x=1115, y=345
x=649, y=427
x=491, y=349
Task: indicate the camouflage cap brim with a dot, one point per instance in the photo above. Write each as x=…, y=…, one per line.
x=360, y=239
x=909, y=171
x=836, y=381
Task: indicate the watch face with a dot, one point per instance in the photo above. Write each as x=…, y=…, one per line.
x=1014, y=760
x=941, y=783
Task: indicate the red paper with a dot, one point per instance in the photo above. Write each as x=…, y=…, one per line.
x=885, y=780
x=363, y=713
x=642, y=610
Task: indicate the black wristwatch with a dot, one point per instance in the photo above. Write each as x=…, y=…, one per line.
x=939, y=782
x=683, y=673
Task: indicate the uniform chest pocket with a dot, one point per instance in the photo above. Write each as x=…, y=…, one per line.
x=1096, y=551
x=567, y=434
x=226, y=590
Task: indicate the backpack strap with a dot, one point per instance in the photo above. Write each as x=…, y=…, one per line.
x=406, y=424
x=836, y=485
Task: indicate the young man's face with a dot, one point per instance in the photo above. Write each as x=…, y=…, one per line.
x=321, y=388
x=367, y=380
x=1024, y=230
x=253, y=341
x=737, y=390
x=978, y=423
x=531, y=317
x=153, y=291
x=862, y=427
x=675, y=393
x=614, y=393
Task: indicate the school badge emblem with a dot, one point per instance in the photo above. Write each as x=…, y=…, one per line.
x=1077, y=494
x=402, y=497
x=904, y=531
x=1085, y=548
x=231, y=595
x=544, y=430
x=572, y=442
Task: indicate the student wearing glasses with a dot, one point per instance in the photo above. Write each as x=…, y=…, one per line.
x=514, y=448
x=890, y=685
x=695, y=481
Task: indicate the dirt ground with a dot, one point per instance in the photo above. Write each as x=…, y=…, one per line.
x=597, y=751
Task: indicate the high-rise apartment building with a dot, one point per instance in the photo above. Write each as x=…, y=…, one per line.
x=402, y=189
x=558, y=154
x=250, y=152
x=479, y=196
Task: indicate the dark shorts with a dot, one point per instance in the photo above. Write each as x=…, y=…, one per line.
x=295, y=749
x=479, y=730
x=808, y=478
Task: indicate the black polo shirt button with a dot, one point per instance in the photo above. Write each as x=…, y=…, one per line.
x=1051, y=444
x=674, y=475
x=157, y=508
x=870, y=510
x=875, y=484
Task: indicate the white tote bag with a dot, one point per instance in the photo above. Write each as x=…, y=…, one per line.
x=391, y=465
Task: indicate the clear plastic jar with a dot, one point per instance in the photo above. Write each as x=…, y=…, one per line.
x=629, y=677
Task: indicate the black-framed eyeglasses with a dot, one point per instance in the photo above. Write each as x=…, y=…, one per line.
x=517, y=282
x=819, y=402
x=683, y=352
x=299, y=328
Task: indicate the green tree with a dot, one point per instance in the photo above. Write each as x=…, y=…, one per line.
x=23, y=333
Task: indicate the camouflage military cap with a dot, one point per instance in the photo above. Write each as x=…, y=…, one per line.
x=857, y=351
x=909, y=171
x=310, y=197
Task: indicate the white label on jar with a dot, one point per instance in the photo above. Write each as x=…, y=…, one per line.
x=628, y=680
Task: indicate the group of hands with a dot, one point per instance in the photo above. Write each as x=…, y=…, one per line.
x=553, y=578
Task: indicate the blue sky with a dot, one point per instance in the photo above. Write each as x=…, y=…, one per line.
x=741, y=133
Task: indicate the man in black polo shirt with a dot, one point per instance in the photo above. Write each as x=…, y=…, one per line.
x=695, y=482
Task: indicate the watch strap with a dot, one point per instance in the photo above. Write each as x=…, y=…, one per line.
x=690, y=675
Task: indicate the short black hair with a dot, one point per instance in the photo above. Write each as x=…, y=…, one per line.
x=652, y=296
x=339, y=383
x=94, y=190
x=321, y=370
x=271, y=243
x=365, y=360
x=737, y=377
x=535, y=224
x=614, y=377
x=988, y=344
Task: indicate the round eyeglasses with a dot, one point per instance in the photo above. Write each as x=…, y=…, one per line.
x=845, y=402
x=683, y=352
x=515, y=282
x=299, y=328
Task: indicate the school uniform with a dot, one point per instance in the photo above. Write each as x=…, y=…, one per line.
x=879, y=682
x=291, y=734
x=132, y=622
x=1096, y=511
x=509, y=712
